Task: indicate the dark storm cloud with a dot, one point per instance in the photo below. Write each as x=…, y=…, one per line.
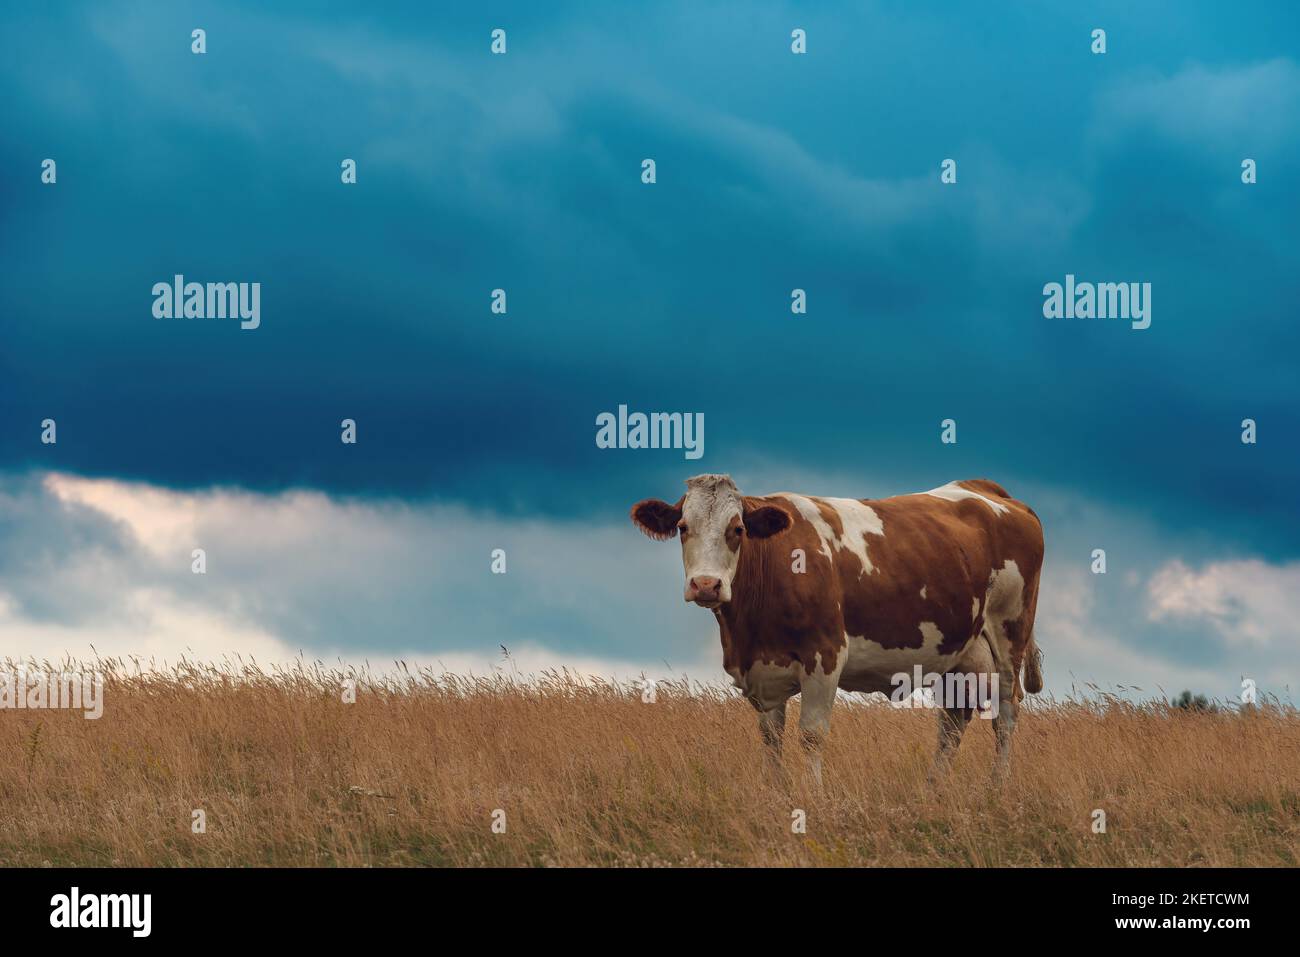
x=775, y=172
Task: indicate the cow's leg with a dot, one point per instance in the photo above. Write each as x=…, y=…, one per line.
x=772, y=724
x=952, y=725
x=817, y=696
x=1004, y=604
x=768, y=689
x=1004, y=725
x=975, y=665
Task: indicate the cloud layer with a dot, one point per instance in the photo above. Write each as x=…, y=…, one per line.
x=108, y=564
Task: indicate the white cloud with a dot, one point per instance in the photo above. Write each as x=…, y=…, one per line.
x=107, y=563
x=156, y=627
x=1079, y=650
x=303, y=573
x=1245, y=601
x=1252, y=107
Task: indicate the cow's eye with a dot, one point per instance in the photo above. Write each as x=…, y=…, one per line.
x=681, y=530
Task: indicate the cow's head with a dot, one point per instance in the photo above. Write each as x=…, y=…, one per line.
x=714, y=520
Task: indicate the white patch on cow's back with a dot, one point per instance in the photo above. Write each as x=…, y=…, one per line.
x=953, y=492
x=975, y=608
x=858, y=520
x=808, y=510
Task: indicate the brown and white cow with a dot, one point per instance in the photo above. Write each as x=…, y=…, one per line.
x=815, y=594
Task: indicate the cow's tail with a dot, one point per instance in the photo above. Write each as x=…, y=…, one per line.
x=1033, y=666
x=1033, y=657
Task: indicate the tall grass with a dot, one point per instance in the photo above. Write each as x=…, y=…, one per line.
x=587, y=773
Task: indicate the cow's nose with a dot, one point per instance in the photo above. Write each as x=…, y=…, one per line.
x=704, y=587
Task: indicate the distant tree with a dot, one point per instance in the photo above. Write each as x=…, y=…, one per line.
x=1190, y=702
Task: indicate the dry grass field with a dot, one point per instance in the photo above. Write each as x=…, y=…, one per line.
x=287, y=773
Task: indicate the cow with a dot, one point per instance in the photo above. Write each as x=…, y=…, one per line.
x=814, y=594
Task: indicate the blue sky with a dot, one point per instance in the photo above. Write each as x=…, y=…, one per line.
x=522, y=172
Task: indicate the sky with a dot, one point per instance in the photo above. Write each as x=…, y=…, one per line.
x=522, y=171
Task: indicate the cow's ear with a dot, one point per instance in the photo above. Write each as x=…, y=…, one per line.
x=656, y=518
x=764, y=521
